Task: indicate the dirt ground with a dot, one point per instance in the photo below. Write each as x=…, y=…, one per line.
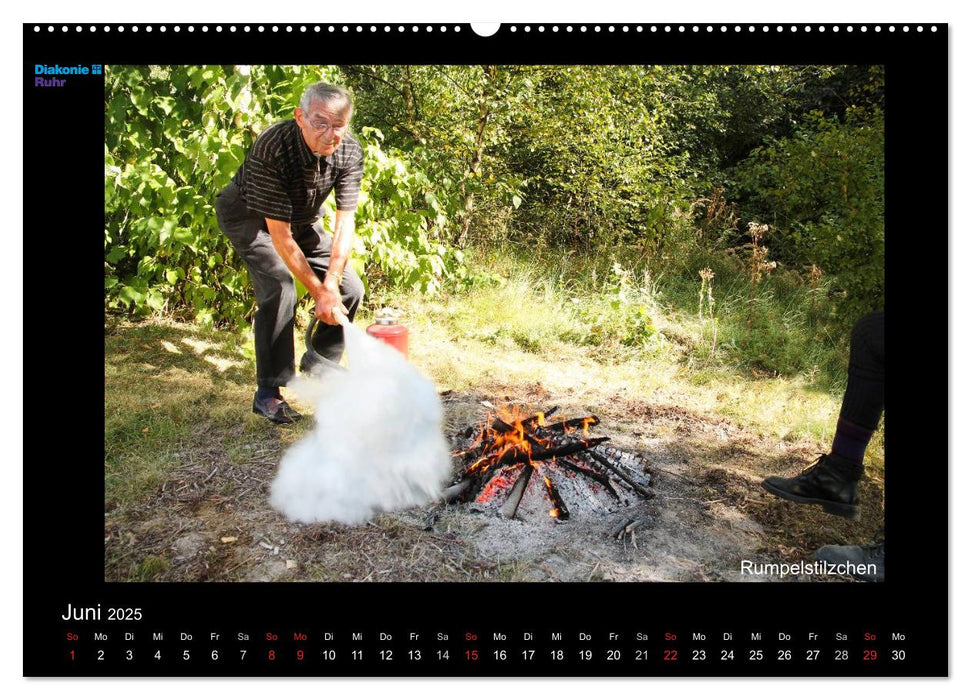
x=210, y=520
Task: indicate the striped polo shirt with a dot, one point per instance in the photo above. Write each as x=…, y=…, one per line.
x=282, y=179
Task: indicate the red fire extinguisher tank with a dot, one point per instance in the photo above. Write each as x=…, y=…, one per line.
x=387, y=329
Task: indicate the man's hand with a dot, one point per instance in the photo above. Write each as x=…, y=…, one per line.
x=327, y=293
x=328, y=296
x=329, y=308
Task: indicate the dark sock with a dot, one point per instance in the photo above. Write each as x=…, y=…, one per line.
x=851, y=440
x=268, y=392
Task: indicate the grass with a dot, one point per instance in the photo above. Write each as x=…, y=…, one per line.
x=172, y=391
x=551, y=323
x=544, y=322
x=150, y=568
x=605, y=337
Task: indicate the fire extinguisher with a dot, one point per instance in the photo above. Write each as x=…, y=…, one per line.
x=387, y=329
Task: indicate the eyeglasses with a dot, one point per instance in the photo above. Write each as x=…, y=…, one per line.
x=318, y=125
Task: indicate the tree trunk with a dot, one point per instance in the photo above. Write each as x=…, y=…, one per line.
x=483, y=122
x=411, y=111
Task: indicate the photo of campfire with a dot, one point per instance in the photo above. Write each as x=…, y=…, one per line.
x=419, y=363
x=628, y=290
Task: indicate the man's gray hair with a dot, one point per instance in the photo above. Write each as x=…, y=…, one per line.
x=327, y=93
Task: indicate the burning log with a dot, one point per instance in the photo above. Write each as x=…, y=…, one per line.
x=568, y=426
x=559, y=426
x=539, y=419
x=559, y=510
x=511, y=505
x=520, y=454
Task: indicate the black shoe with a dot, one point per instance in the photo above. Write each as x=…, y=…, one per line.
x=276, y=409
x=830, y=482
x=865, y=563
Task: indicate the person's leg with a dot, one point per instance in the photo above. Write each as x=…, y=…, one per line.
x=863, y=400
x=859, y=416
x=275, y=298
x=328, y=341
x=832, y=481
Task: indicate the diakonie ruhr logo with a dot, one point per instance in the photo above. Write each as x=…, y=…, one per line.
x=52, y=76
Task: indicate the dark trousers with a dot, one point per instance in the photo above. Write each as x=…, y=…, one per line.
x=863, y=400
x=276, y=295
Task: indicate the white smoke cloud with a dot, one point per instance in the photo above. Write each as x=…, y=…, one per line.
x=377, y=444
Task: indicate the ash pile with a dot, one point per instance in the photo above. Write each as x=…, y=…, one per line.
x=542, y=468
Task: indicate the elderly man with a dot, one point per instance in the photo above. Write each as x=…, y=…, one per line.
x=271, y=212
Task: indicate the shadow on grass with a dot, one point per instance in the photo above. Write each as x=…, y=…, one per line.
x=174, y=393
x=153, y=349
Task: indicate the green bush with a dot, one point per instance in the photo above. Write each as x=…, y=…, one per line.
x=175, y=136
x=822, y=191
x=402, y=222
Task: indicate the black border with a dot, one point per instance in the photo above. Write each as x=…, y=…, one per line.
x=61, y=139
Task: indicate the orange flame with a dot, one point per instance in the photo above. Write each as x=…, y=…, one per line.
x=555, y=512
x=493, y=444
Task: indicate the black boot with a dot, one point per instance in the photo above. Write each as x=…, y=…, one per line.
x=830, y=481
x=865, y=563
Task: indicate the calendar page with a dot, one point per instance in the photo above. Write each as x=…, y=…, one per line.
x=491, y=351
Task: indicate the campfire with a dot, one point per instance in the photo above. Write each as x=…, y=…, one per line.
x=517, y=462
